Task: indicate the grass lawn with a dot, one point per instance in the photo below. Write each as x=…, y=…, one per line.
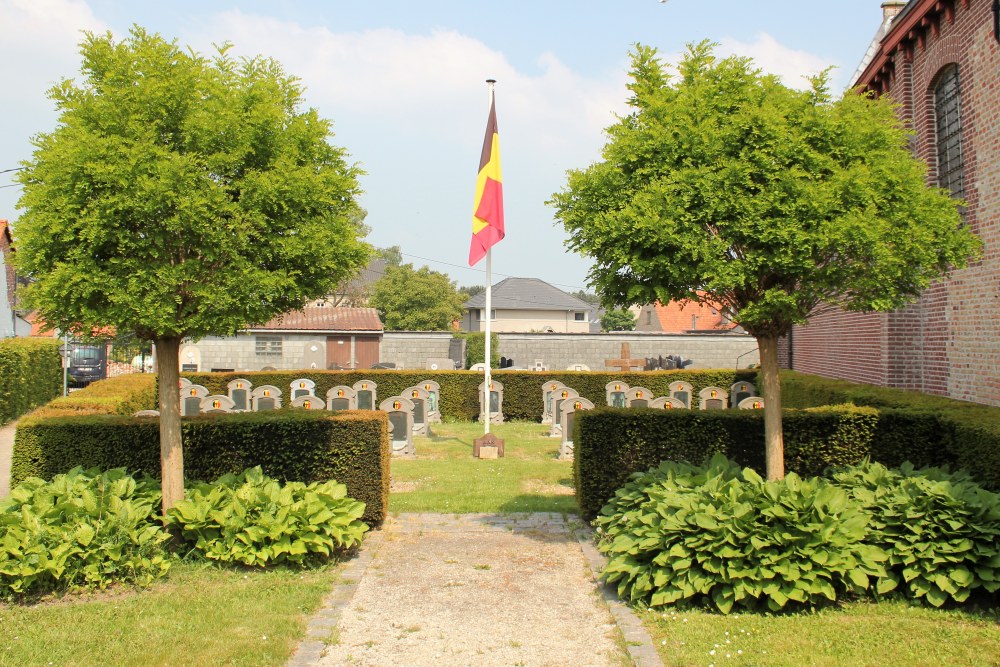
x=200, y=615
x=444, y=477
x=854, y=635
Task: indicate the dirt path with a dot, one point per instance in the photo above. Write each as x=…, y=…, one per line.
x=447, y=590
x=6, y=452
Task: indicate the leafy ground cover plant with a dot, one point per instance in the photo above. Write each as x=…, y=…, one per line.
x=940, y=529
x=682, y=533
x=255, y=520
x=84, y=529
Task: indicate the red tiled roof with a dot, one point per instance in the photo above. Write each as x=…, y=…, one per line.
x=5, y=230
x=325, y=319
x=675, y=317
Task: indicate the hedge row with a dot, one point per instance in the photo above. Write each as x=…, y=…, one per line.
x=610, y=445
x=460, y=389
x=927, y=430
x=30, y=375
x=124, y=395
x=289, y=445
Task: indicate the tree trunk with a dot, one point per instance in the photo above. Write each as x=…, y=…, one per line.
x=171, y=452
x=774, y=443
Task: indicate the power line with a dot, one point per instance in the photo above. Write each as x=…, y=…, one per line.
x=14, y=185
x=4, y=171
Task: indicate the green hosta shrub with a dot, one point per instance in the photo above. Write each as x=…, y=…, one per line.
x=83, y=529
x=940, y=529
x=715, y=532
x=255, y=520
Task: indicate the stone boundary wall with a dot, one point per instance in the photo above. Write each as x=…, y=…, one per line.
x=411, y=349
x=560, y=351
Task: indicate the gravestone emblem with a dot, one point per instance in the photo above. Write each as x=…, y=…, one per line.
x=217, y=403
x=419, y=397
x=495, y=402
x=638, y=397
x=740, y=391
x=308, y=402
x=367, y=394
x=302, y=387
x=239, y=392
x=625, y=363
x=433, y=390
x=751, y=403
x=614, y=392
x=548, y=389
x=667, y=403
x=265, y=397
x=682, y=391
x=341, y=397
x=712, y=398
x=191, y=396
x=568, y=417
x=559, y=398
x=400, y=413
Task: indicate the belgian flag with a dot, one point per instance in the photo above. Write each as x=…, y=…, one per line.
x=487, y=219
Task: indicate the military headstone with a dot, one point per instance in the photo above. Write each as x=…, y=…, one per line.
x=341, y=397
x=239, y=391
x=308, y=402
x=495, y=402
x=559, y=398
x=400, y=413
x=638, y=397
x=191, y=396
x=569, y=409
x=712, y=398
x=614, y=393
x=682, y=391
x=667, y=403
x=419, y=397
x=217, y=403
x=548, y=392
x=302, y=387
x=433, y=390
x=265, y=397
x=740, y=391
x=751, y=403
x=367, y=394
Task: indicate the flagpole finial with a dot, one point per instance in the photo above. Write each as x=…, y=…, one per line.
x=491, y=81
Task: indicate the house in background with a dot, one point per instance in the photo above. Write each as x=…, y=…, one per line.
x=312, y=338
x=682, y=317
x=528, y=305
x=356, y=292
x=11, y=322
x=940, y=62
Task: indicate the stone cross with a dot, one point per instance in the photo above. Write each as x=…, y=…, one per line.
x=624, y=364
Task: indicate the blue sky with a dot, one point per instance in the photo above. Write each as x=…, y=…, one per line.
x=403, y=82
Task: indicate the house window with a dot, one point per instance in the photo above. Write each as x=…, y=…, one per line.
x=580, y=317
x=478, y=313
x=948, y=131
x=268, y=346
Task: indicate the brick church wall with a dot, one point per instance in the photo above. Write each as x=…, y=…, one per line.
x=948, y=343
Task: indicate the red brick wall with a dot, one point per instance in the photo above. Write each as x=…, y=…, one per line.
x=949, y=342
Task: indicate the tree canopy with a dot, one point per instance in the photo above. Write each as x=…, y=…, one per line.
x=618, y=319
x=723, y=184
x=182, y=196
x=409, y=299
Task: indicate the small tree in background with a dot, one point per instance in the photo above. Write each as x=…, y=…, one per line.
x=618, y=320
x=409, y=299
x=181, y=196
x=772, y=201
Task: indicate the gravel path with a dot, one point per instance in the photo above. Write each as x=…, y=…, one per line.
x=6, y=452
x=447, y=590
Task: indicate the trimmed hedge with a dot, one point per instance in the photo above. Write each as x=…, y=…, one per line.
x=289, y=445
x=30, y=375
x=460, y=389
x=124, y=395
x=611, y=444
x=923, y=429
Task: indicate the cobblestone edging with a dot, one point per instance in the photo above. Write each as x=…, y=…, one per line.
x=637, y=640
x=324, y=621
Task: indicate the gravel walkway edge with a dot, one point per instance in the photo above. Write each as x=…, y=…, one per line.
x=324, y=622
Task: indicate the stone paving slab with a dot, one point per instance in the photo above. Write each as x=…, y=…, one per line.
x=473, y=589
x=6, y=453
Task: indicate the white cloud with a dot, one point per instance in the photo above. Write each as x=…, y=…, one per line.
x=791, y=65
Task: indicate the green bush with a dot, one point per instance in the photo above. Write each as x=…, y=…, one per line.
x=681, y=533
x=255, y=520
x=82, y=529
x=940, y=529
x=289, y=445
x=123, y=395
x=30, y=375
x=475, y=348
x=923, y=429
x=611, y=444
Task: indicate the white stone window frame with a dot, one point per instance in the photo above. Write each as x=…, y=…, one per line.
x=269, y=346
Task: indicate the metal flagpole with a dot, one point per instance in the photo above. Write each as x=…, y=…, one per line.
x=487, y=394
